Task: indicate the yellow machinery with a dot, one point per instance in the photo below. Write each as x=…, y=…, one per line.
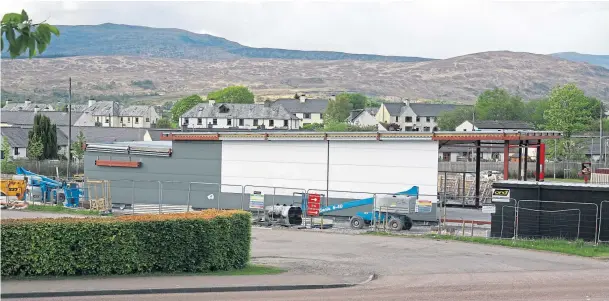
x=13, y=189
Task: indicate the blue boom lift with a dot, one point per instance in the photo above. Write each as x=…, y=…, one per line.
x=51, y=189
x=396, y=220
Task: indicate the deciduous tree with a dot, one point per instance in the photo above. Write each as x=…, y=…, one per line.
x=232, y=94
x=23, y=35
x=163, y=123
x=569, y=110
x=498, y=104
x=183, y=105
x=357, y=100
x=338, y=110
x=449, y=120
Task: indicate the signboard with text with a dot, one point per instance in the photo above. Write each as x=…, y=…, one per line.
x=257, y=201
x=313, y=204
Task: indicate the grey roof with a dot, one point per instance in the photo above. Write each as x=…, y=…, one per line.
x=19, y=137
x=431, y=109
x=104, y=108
x=503, y=124
x=15, y=136
x=135, y=111
x=308, y=106
x=261, y=111
x=355, y=113
x=94, y=134
x=27, y=118
x=394, y=108
x=29, y=107
x=79, y=108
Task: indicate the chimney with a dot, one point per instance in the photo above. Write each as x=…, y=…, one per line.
x=407, y=101
x=333, y=97
x=28, y=101
x=36, y=109
x=91, y=102
x=303, y=98
x=211, y=102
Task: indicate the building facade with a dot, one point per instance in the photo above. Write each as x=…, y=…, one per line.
x=309, y=111
x=239, y=116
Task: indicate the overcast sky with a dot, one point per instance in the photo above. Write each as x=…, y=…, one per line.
x=425, y=28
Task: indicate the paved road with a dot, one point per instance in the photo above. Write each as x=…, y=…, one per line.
x=414, y=269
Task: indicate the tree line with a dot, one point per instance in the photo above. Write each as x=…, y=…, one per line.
x=566, y=109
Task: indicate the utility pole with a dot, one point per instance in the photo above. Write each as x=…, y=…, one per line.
x=69, y=129
x=600, y=136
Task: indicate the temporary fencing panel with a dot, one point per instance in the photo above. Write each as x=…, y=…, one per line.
x=569, y=220
x=603, y=226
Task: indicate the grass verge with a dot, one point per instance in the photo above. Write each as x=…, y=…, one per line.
x=564, y=180
x=60, y=209
x=579, y=247
x=249, y=270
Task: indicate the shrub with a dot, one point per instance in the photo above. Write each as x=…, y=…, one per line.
x=204, y=241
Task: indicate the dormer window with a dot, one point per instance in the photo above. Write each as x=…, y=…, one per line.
x=223, y=109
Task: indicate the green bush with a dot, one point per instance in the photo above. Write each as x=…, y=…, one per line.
x=191, y=242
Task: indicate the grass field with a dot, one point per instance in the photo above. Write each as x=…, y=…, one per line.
x=60, y=209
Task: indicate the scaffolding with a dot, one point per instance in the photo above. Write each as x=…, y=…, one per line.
x=460, y=188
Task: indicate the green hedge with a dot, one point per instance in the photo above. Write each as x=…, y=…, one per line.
x=112, y=246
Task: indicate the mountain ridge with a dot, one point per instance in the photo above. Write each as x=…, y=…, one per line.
x=109, y=39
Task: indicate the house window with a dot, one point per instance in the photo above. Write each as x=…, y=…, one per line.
x=240, y=122
x=147, y=119
x=285, y=123
x=16, y=151
x=426, y=129
x=185, y=120
x=137, y=120
x=396, y=118
x=409, y=119
x=271, y=122
x=107, y=120
x=121, y=119
x=214, y=121
x=128, y=119
x=255, y=122
x=428, y=119
x=229, y=121
x=418, y=119
x=435, y=128
x=307, y=115
x=199, y=121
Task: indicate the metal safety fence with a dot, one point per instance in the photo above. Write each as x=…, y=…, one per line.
x=603, y=224
x=534, y=219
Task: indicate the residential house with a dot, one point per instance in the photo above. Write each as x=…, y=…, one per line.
x=138, y=117
x=102, y=113
x=309, y=111
x=245, y=116
x=27, y=106
x=413, y=117
x=451, y=153
x=18, y=138
x=494, y=125
x=365, y=117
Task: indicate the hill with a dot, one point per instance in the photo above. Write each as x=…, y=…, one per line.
x=455, y=79
x=127, y=40
x=599, y=60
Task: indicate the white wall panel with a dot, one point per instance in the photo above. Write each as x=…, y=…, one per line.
x=361, y=166
x=294, y=164
x=384, y=166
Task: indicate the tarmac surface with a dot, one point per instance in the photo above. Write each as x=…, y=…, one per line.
x=407, y=269
x=14, y=213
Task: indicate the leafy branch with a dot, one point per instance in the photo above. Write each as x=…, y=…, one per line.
x=23, y=35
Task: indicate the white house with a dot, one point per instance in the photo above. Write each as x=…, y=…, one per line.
x=138, y=117
x=365, y=117
x=413, y=117
x=494, y=125
x=309, y=111
x=239, y=116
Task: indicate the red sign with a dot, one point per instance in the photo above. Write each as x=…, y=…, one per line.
x=313, y=204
